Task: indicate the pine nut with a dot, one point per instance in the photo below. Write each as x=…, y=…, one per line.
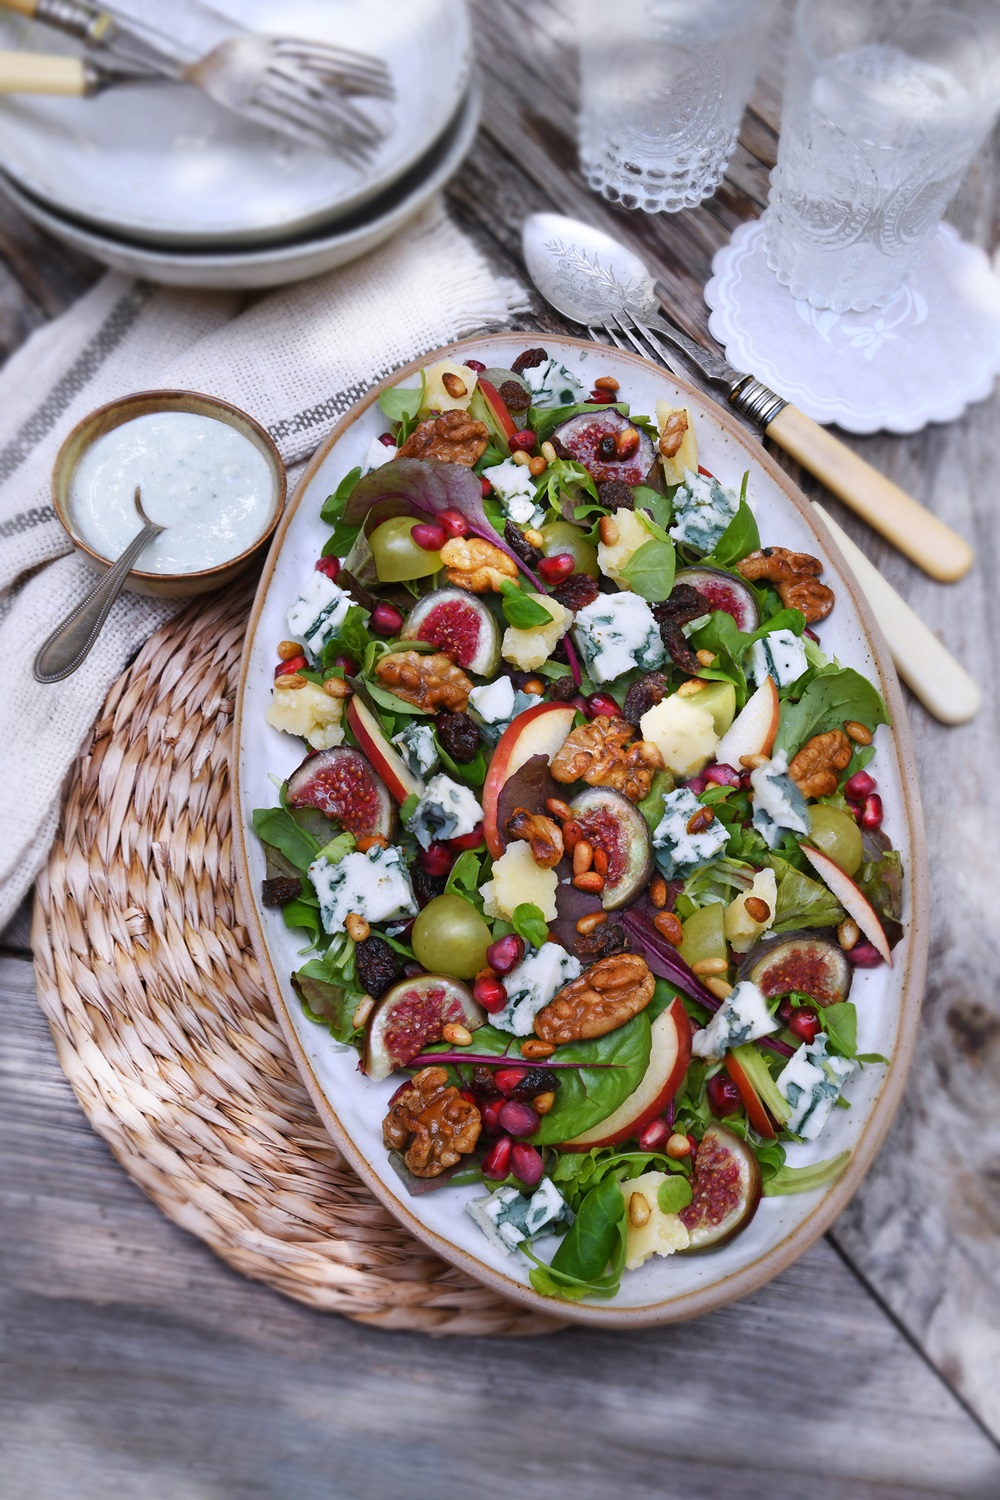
x=534, y=539
x=692, y=686
x=520, y=457
x=457, y=1034
x=371, y=841
x=288, y=681
x=572, y=834
x=859, y=733
x=639, y=1211
x=288, y=649
x=558, y=808
x=335, y=687
x=668, y=925
x=357, y=928
x=537, y=465
x=658, y=892
x=720, y=988
x=757, y=909
x=709, y=966
x=455, y=387
x=363, y=1010
x=601, y=862
x=677, y=1147
x=543, y=1102
x=627, y=443
x=608, y=532
x=848, y=934
x=754, y=762
x=590, y=881
x=705, y=658
x=699, y=821
x=549, y=453
x=533, y=1048
x=534, y=685
x=583, y=857
x=586, y=925
x=606, y=383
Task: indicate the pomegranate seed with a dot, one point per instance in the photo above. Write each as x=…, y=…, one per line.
x=454, y=522
x=508, y=1079
x=490, y=993
x=555, y=569
x=292, y=665
x=387, y=439
x=412, y=969
x=429, y=535
x=468, y=840
x=386, y=619
x=804, y=1024
x=490, y=1111
x=602, y=704
x=785, y=1008
x=475, y=364
x=693, y=1144
x=696, y=784
x=723, y=1096
x=506, y=953
x=872, y=815
x=347, y=665
x=486, y=487
x=468, y=1096
x=496, y=1162
x=654, y=1135
x=722, y=775
x=330, y=566
x=436, y=859
x=603, y=397
x=865, y=955
x=523, y=441
x=519, y=1119
x=526, y=1164
x=859, y=786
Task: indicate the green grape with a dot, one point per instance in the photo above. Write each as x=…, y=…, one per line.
x=397, y=556
x=563, y=536
x=450, y=937
x=704, y=934
x=837, y=835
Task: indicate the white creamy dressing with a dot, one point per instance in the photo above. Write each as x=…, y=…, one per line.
x=210, y=486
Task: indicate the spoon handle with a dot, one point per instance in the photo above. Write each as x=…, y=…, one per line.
x=70, y=643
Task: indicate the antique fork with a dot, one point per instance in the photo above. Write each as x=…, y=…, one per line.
x=302, y=88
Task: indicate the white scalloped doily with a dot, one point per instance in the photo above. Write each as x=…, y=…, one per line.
x=924, y=358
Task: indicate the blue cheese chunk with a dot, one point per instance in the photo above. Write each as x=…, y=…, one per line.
x=494, y=705
x=812, y=1082
x=676, y=851
x=318, y=613
x=447, y=810
x=778, y=805
x=379, y=453
x=552, y=385
x=617, y=633
x=418, y=748
x=779, y=654
x=744, y=1017
x=375, y=886
x=509, y=1218
x=702, y=511
x=532, y=985
x=515, y=489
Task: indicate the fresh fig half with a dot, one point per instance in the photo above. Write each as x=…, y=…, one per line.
x=458, y=624
x=802, y=961
x=723, y=591
x=341, y=784
x=612, y=823
x=725, y=1188
x=587, y=439
x=412, y=1016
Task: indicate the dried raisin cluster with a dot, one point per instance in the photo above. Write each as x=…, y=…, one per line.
x=529, y=359
x=517, y=542
x=457, y=736
x=643, y=695
x=576, y=591
x=377, y=965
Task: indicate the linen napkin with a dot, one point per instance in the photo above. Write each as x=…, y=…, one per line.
x=296, y=359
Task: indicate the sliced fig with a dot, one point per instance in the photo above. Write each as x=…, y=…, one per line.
x=458, y=624
x=587, y=439
x=612, y=823
x=725, y=1185
x=412, y=1016
x=725, y=592
x=341, y=784
x=802, y=961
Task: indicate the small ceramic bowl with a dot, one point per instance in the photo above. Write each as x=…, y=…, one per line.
x=115, y=414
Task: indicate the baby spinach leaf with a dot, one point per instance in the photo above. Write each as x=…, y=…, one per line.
x=333, y=506
x=673, y=1195
x=402, y=404
x=530, y=924
x=649, y=572
x=834, y=695
x=586, y=1096
x=740, y=537
x=521, y=611
x=465, y=874
x=278, y=827
x=840, y=1022
x=590, y=1260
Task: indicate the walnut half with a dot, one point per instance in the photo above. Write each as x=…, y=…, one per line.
x=453, y=438
x=605, y=752
x=432, y=1120
x=795, y=575
x=816, y=769
x=428, y=682
x=607, y=995
x=477, y=565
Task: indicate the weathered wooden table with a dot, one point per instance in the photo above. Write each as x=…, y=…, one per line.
x=135, y=1364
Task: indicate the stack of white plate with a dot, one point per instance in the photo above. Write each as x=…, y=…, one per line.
x=157, y=181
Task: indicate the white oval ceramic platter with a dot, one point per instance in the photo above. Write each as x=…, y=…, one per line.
x=164, y=164
x=664, y=1289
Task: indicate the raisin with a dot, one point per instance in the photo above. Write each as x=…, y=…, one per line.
x=482, y=1081
x=576, y=591
x=643, y=695
x=529, y=359
x=607, y=448
x=377, y=965
x=535, y=1081
x=426, y=887
x=457, y=734
x=280, y=889
x=605, y=940
x=616, y=495
x=684, y=605
x=514, y=396
x=562, y=689
x=680, y=652
x=515, y=539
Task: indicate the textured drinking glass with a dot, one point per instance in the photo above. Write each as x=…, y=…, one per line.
x=885, y=106
x=664, y=86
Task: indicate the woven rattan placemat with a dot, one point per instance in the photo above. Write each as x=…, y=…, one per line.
x=146, y=976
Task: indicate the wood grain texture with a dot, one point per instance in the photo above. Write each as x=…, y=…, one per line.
x=137, y=1365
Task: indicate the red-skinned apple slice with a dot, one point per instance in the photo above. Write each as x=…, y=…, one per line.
x=540, y=730
x=669, y=1056
x=852, y=899
x=385, y=759
x=753, y=731
x=756, y=1113
x=499, y=407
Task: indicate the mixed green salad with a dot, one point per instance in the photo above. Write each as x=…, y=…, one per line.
x=585, y=844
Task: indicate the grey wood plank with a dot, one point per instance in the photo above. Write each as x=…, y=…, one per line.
x=136, y=1364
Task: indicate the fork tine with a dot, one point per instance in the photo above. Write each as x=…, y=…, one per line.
x=326, y=106
x=284, y=114
x=615, y=337
x=660, y=350
x=321, y=55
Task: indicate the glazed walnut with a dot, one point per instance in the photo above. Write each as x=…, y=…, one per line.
x=672, y=433
x=602, y=999
x=605, y=752
x=477, y=565
x=543, y=835
x=454, y=438
x=433, y=1121
x=795, y=575
x=429, y=682
x=816, y=769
